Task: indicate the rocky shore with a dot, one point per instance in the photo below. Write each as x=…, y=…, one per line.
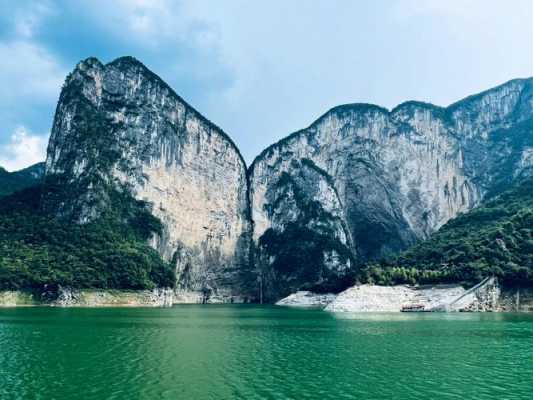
x=88, y=298
x=65, y=297
x=305, y=298
x=487, y=296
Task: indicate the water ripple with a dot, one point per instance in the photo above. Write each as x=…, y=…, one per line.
x=248, y=352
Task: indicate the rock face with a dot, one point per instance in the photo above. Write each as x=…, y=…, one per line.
x=360, y=183
x=119, y=126
x=386, y=178
x=308, y=242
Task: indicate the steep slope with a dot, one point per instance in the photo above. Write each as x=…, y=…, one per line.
x=400, y=175
x=308, y=243
x=13, y=181
x=495, y=238
x=118, y=127
x=130, y=161
x=41, y=252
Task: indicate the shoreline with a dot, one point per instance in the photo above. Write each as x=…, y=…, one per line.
x=119, y=298
x=486, y=296
x=359, y=298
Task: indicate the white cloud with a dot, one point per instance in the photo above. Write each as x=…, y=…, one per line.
x=154, y=22
x=28, y=71
x=23, y=149
x=28, y=19
x=30, y=78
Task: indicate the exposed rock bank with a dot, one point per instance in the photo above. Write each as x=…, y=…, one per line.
x=486, y=296
x=373, y=298
x=88, y=298
x=65, y=297
x=307, y=299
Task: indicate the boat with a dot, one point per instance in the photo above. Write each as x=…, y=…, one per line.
x=414, y=308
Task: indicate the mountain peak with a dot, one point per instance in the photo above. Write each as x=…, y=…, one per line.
x=89, y=63
x=126, y=61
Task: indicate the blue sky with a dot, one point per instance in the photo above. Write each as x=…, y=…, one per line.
x=259, y=69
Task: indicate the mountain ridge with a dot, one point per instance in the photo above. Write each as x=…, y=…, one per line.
x=359, y=183
x=120, y=127
x=399, y=175
x=20, y=179
x=366, y=106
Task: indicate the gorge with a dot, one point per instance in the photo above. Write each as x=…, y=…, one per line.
x=359, y=185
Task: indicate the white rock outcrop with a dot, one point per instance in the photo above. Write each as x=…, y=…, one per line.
x=305, y=298
x=374, y=298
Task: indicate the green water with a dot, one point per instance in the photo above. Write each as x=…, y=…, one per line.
x=253, y=352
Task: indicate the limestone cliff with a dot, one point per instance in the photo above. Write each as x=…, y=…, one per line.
x=393, y=177
x=358, y=184
x=119, y=126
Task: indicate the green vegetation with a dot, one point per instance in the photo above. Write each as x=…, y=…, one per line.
x=493, y=239
x=10, y=182
x=38, y=248
x=41, y=239
x=296, y=254
x=298, y=257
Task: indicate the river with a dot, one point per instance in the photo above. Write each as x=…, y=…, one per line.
x=262, y=352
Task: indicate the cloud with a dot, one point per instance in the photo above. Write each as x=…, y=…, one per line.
x=263, y=69
x=27, y=20
x=156, y=23
x=28, y=72
x=23, y=149
x=31, y=78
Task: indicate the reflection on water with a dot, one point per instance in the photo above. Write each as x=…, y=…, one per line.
x=252, y=352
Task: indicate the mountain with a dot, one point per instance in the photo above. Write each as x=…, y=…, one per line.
x=374, y=182
x=495, y=238
x=119, y=128
x=13, y=181
x=141, y=191
x=42, y=253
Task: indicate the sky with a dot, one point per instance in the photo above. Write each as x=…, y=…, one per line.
x=259, y=69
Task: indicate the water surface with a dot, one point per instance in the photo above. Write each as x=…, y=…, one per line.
x=262, y=352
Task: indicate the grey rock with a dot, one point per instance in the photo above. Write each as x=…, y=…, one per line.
x=397, y=176
x=118, y=125
x=360, y=183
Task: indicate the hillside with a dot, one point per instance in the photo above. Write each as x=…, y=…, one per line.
x=382, y=181
x=140, y=190
x=495, y=238
x=10, y=182
x=119, y=127
x=39, y=250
